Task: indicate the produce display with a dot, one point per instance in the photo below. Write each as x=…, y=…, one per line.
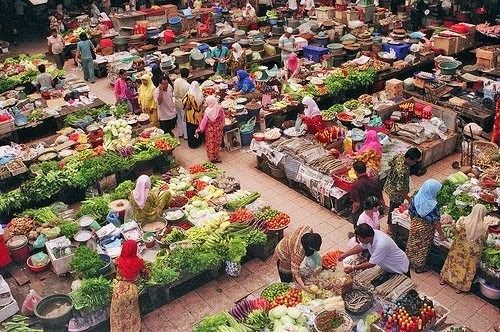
x=330, y=321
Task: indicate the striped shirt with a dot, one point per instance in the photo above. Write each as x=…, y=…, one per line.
x=290, y=252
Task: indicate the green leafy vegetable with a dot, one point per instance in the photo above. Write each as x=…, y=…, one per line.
x=93, y=294
x=86, y=262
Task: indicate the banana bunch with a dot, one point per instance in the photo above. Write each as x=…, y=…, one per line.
x=214, y=240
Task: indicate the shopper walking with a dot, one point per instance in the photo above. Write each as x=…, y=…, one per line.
x=212, y=125
x=464, y=256
x=132, y=96
x=120, y=87
x=425, y=220
x=164, y=95
x=124, y=312
x=220, y=54
x=291, y=251
x=397, y=183
x=181, y=87
x=85, y=51
x=193, y=102
x=147, y=99
x=56, y=48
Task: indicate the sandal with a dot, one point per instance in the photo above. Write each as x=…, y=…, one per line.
x=441, y=281
x=422, y=270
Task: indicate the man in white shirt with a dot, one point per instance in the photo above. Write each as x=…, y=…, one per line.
x=383, y=250
x=164, y=95
x=287, y=44
x=181, y=87
x=44, y=81
x=56, y=48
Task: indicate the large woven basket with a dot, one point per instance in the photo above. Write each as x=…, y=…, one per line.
x=480, y=150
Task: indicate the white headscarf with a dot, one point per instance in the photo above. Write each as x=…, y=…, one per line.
x=311, y=109
x=237, y=51
x=249, y=11
x=474, y=224
x=213, y=107
x=195, y=91
x=141, y=191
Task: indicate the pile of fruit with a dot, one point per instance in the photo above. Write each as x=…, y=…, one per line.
x=275, y=290
x=266, y=214
x=278, y=222
x=329, y=135
x=194, y=169
x=241, y=215
x=289, y=299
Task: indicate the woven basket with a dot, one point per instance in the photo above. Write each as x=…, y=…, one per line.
x=481, y=149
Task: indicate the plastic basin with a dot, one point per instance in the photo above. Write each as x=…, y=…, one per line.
x=52, y=317
x=107, y=267
x=36, y=269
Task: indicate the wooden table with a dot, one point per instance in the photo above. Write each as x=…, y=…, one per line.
x=168, y=48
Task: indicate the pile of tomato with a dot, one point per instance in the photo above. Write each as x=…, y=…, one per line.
x=197, y=169
x=279, y=221
x=241, y=215
x=289, y=299
x=163, y=145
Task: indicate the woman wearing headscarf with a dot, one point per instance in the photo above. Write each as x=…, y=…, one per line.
x=464, y=256
x=193, y=101
x=212, y=125
x=371, y=151
x=425, y=220
x=292, y=66
x=312, y=116
x=292, y=251
x=147, y=203
x=249, y=12
x=157, y=75
x=237, y=58
x=124, y=312
x=244, y=83
x=147, y=99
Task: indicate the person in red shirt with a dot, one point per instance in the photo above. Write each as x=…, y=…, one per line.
x=121, y=86
x=364, y=187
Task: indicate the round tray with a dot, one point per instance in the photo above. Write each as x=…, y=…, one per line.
x=356, y=292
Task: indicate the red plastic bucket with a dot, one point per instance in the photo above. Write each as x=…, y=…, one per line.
x=18, y=246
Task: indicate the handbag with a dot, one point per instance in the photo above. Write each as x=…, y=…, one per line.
x=92, y=50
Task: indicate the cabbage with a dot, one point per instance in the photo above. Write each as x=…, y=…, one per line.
x=277, y=312
x=293, y=312
x=287, y=320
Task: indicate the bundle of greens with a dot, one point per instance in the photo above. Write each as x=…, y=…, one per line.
x=93, y=294
x=86, y=262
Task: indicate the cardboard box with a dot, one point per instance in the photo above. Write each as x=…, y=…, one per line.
x=486, y=54
x=485, y=63
x=338, y=15
x=447, y=44
x=350, y=15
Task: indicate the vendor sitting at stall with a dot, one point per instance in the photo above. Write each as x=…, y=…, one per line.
x=291, y=252
x=312, y=116
x=292, y=67
x=364, y=187
x=384, y=252
x=236, y=59
x=371, y=152
x=287, y=44
x=147, y=203
x=44, y=81
x=249, y=12
x=244, y=83
x=220, y=54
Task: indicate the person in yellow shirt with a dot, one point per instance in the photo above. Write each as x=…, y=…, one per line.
x=147, y=99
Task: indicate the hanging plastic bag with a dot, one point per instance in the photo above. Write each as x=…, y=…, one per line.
x=30, y=303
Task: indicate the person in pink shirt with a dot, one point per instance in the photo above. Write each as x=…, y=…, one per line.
x=371, y=213
x=121, y=86
x=212, y=124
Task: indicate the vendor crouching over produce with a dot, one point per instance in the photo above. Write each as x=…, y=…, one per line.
x=124, y=312
x=147, y=202
x=298, y=256
x=384, y=252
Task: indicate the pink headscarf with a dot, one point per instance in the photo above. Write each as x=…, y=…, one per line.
x=212, y=110
x=371, y=143
x=311, y=109
x=141, y=191
x=292, y=62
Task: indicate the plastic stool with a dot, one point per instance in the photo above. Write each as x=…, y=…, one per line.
x=232, y=139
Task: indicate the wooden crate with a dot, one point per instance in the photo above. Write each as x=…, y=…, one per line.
x=325, y=13
x=447, y=44
x=7, y=127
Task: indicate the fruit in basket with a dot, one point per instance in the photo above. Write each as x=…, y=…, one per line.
x=289, y=299
x=266, y=214
x=274, y=290
x=279, y=221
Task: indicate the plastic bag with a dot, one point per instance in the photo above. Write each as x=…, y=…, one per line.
x=30, y=303
x=39, y=259
x=113, y=218
x=40, y=241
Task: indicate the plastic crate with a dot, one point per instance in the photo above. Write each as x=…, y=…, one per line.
x=8, y=305
x=365, y=2
x=314, y=53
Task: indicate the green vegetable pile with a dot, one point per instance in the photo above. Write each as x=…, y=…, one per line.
x=355, y=79
x=86, y=262
x=69, y=228
x=74, y=118
x=273, y=291
x=18, y=323
x=242, y=201
x=93, y=294
x=491, y=257
x=219, y=323
x=120, y=110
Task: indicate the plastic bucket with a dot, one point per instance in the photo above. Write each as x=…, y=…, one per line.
x=246, y=137
x=18, y=246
